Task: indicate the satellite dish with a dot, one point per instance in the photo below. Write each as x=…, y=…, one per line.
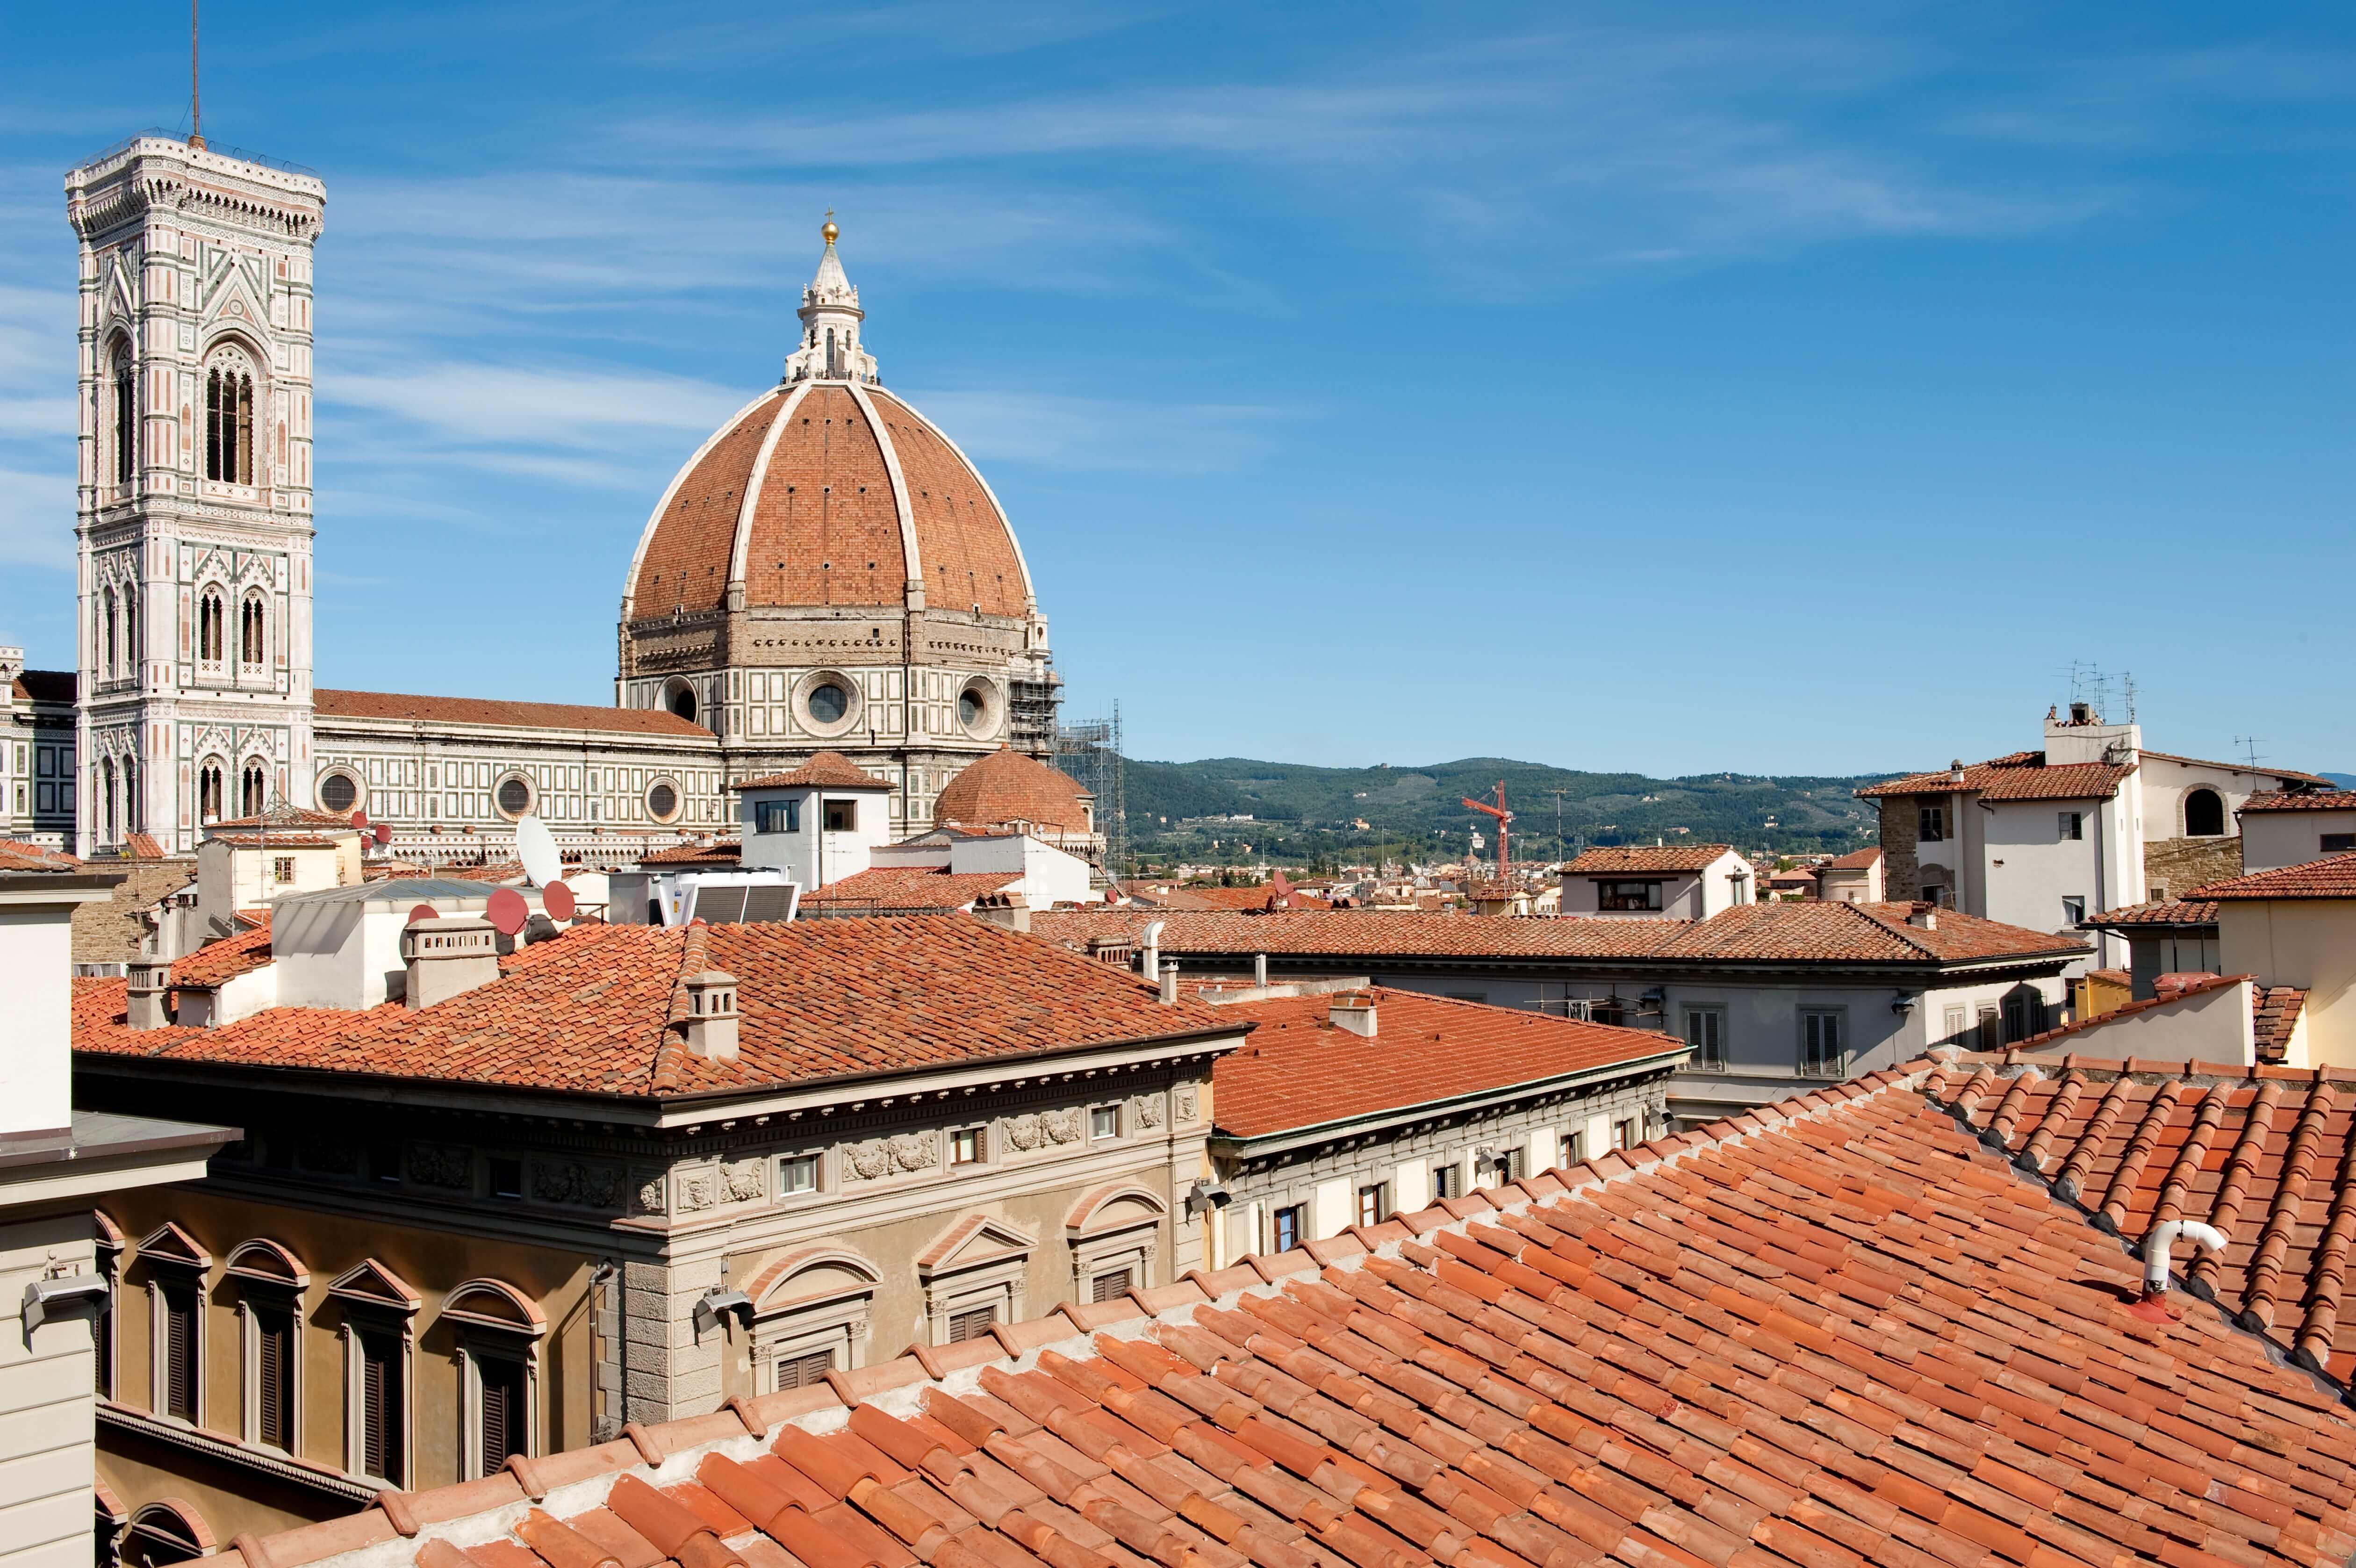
x=383, y=835
x=536, y=847
x=557, y=900
x=507, y=911
x=359, y=818
x=424, y=912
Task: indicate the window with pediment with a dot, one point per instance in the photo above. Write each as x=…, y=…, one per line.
x=497, y=1335
x=173, y=1264
x=211, y=781
x=253, y=633
x=379, y=1313
x=124, y=425
x=269, y=1280
x=975, y=1273
x=212, y=627
x=812, y=1311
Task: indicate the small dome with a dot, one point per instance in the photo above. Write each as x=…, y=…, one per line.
x=1008, y=787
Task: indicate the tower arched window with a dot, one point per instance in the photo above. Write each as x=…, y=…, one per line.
x=253, y=790
x=833, y=354
x=125, y=423
x=109, y=802
x=210, y=781
x=107, y=669
x=229, y=419
x=135, y=813
x=252, y=635
x=131, y=633
x=212, y=625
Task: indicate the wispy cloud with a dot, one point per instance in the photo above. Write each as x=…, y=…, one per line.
x=36, y=516
x=1098, y=434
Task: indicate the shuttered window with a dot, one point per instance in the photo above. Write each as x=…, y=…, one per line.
x=503, y=1410
x=803, y=1371
x=380, y=1405
x=180, y=1351
x=971, y=1325
x=1109, y=1286
x=274, y=1369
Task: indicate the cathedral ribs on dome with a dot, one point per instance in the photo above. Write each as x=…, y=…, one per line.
x=828, y=571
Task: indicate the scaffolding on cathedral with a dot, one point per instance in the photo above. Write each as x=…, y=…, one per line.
x=1089, y=752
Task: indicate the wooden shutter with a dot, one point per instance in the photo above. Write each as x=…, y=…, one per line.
x=1108, y=1287
x=971, y=1325
x=274, y=1373
x=503, y=1410
x=179, y=1353
x=804, y=1371
x=379, y=1397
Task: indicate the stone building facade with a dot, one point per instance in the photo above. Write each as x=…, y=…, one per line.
x=828, y=571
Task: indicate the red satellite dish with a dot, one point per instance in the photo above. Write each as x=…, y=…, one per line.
x=359, y=818
x=424, y=912
x=557, y=900
x=508, y=911
x=384, y=834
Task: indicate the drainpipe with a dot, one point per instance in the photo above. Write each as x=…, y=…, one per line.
x=2155, y=1245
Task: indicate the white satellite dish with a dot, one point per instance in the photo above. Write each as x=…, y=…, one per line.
x=536, y=847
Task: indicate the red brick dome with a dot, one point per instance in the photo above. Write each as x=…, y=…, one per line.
x=1008, y=787
x=829, y=492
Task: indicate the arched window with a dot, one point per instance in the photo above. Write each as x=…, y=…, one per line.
x=833, y=355
x=125, y=421
x=134, y=815
x=109, y=799
x=210, y=779
x=212, y=620
x=253, y=790
x=229, y=419
x=106, y=655
x=252, y=641
x=130, y=630
x=2204, y=815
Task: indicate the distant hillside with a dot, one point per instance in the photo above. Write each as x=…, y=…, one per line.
x=1309, y=813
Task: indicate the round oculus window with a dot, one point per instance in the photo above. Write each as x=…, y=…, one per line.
x=829, y=703
x=662, y=802
x=514, y=795
x=337, y=792
x=971, y=709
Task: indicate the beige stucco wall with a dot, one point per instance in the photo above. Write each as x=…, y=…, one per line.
x=45, y=1400
x=2309, y=942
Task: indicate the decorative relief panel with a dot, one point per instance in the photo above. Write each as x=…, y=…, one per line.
x=867, y=1160
x=745, y=1179
x=699, y=1190
x=1023, y=1133
x=649, y=1196
x=1068, y=1126
x=1145, y=1110
x=1189, y=1105
x=574, y=1182
x=444, y=1166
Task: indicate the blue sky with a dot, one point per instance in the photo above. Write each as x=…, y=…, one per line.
x=1798, y=389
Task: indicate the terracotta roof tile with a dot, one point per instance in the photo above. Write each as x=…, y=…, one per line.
x=2302, y=800
x=1614, y=859
x=2021, y=776
x=2333, y=878
x=592, y=1011
x=1298, y=1069
x=2277, y=1008
x=2171, y=912
x=1835, y=1333
x=828, y=770
x=1856, y=860
x=216, y=963
x=334, y=705
x=15, y=854
x=906, y=888
x=724, y=852
x=1008, y=787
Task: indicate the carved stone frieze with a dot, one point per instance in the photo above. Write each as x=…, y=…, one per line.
x=1147, y=1109
x=745, y=1179
x=867, y=1160
x=650, y=1195
x=1023, y=1133
x=1189, y=1105
x=1068, y=1126
x=576, y=1182
x=699, y=1190
x=446, y=1166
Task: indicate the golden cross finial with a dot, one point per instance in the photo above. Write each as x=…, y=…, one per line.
x=829, y=230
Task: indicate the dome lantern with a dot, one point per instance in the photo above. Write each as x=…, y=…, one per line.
x=829, y=347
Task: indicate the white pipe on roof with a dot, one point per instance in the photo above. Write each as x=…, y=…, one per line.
x=2162, y=1237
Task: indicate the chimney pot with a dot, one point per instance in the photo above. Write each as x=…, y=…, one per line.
x=1169, y=985
x=448, y=956
x=1353, y=1011
x=712, y=1016
x=1924, y=917
x=149, y=992
x=1955, y=771
x=1259, y=969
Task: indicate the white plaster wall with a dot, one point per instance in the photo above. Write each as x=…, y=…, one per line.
x=1329, y=1209
x=2309, y=942
x=2213, y=1027
x=37, y=1019
x=47, y=1411
x=2271, y=838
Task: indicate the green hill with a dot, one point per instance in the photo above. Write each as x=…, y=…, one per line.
x=1310, y=814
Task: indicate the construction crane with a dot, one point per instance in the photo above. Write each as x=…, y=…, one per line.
x=1505, y=861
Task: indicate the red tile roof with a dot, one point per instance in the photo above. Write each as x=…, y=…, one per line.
x=594, y=1011
x=2331, y=878
x=15, y=854
x=1625, y=858
x=726, y=852
x=1008, y=787
x=142, y=846
x=2303, y=801
x=912, y=887
x=1265, y=895
x=1795, y=933
x=218, y=963
x=2266, y=1154
x=1299, y=1070
x=333, y=705
x=2172, y=912
x=293, y=816
x=1856, y=860
x=2277, y=1008
x=2022, y=776
x=1834, y=1333
x=827, y=770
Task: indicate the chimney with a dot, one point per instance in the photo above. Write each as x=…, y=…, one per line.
x=1353, y=1011
x=1152, y=964
x=1259, y=969
x=1169, y=985
x=712, y=1016
x=1955, y=772
x=1010, y=909
x=448, y=956
x=2082, y=713
x=150, y=994
x=1923, y=916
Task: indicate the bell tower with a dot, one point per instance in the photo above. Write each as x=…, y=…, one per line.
x=193, y=512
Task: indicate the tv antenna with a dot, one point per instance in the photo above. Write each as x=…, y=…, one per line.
x=2249, y=744
x=196, y=97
